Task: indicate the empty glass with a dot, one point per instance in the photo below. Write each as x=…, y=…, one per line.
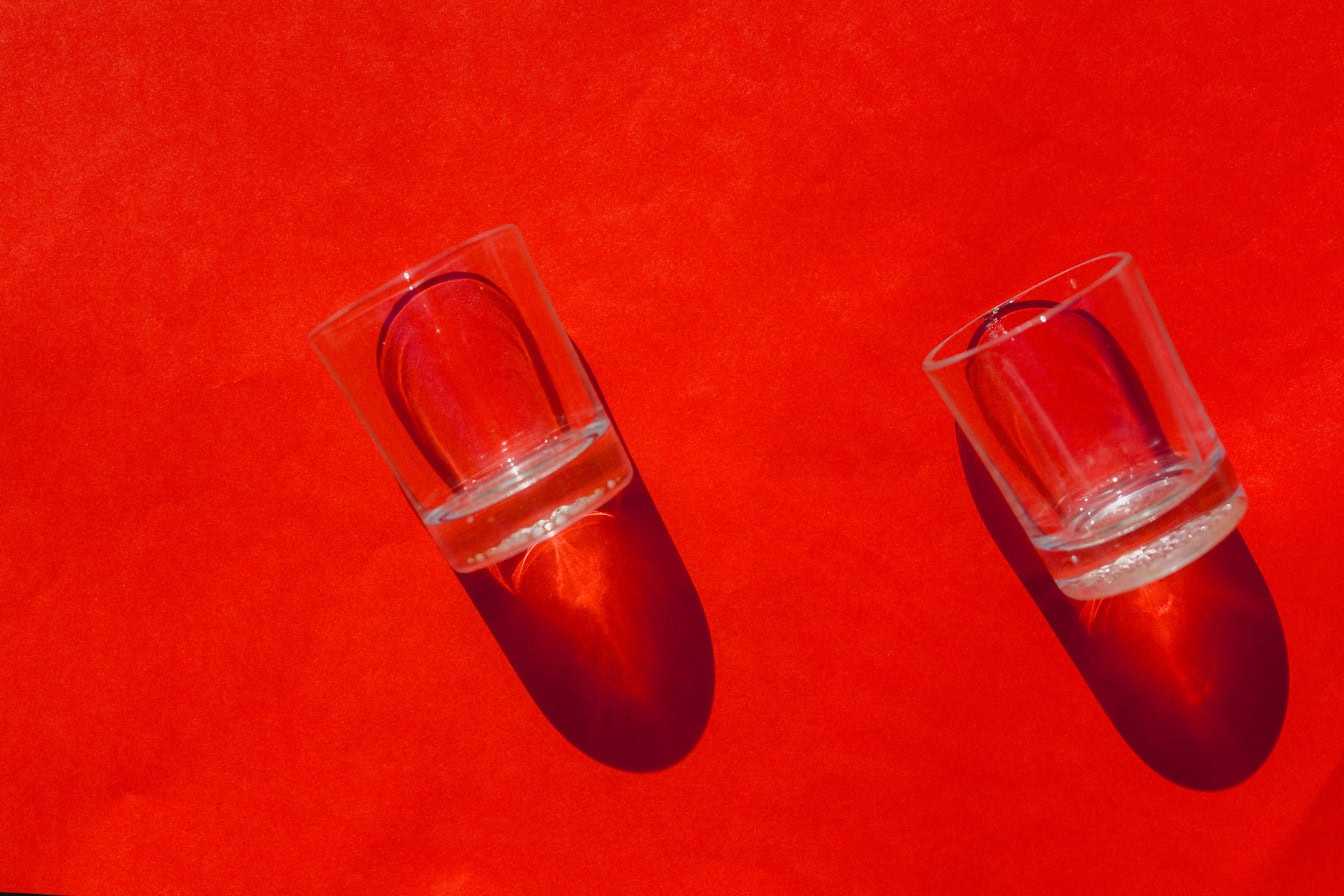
x=466, y=381
x=1073, y=396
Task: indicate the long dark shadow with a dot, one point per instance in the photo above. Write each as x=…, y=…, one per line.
x=1192, y=670
x=605, y=629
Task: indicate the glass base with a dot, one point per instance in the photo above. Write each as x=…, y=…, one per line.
x=1155, y=550
x=585, y=478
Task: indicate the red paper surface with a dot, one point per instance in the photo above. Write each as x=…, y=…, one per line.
x=234, y=662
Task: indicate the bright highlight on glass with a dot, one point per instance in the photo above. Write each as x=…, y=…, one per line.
x=466, y=381
x=1073, y=396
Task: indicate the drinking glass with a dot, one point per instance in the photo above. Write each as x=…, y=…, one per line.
x=1074, y=398
x=469, y=386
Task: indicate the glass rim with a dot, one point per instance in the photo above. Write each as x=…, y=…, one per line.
x=1120, y=261
x=405, y=280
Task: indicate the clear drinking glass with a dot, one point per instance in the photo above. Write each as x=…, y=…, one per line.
x=469, y=386
x=1073, y=396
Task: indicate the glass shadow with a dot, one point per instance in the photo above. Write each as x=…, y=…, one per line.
x=605, y=629
x=1192, y=670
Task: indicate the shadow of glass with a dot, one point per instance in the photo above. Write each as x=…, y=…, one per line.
x=605, y=629
x=1192, y=670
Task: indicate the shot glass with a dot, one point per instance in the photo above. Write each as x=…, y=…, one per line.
x=462, y=374
x=1074, y=398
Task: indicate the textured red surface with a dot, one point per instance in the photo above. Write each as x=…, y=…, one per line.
x=234, y=662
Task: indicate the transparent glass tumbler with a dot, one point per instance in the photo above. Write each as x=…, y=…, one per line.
x=1076, y=401
x=469, y=386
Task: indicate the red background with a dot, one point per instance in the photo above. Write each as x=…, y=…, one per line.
x=232, y=661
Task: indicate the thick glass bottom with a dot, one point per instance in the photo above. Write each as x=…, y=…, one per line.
x=1157, y=549
x=586, y=476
